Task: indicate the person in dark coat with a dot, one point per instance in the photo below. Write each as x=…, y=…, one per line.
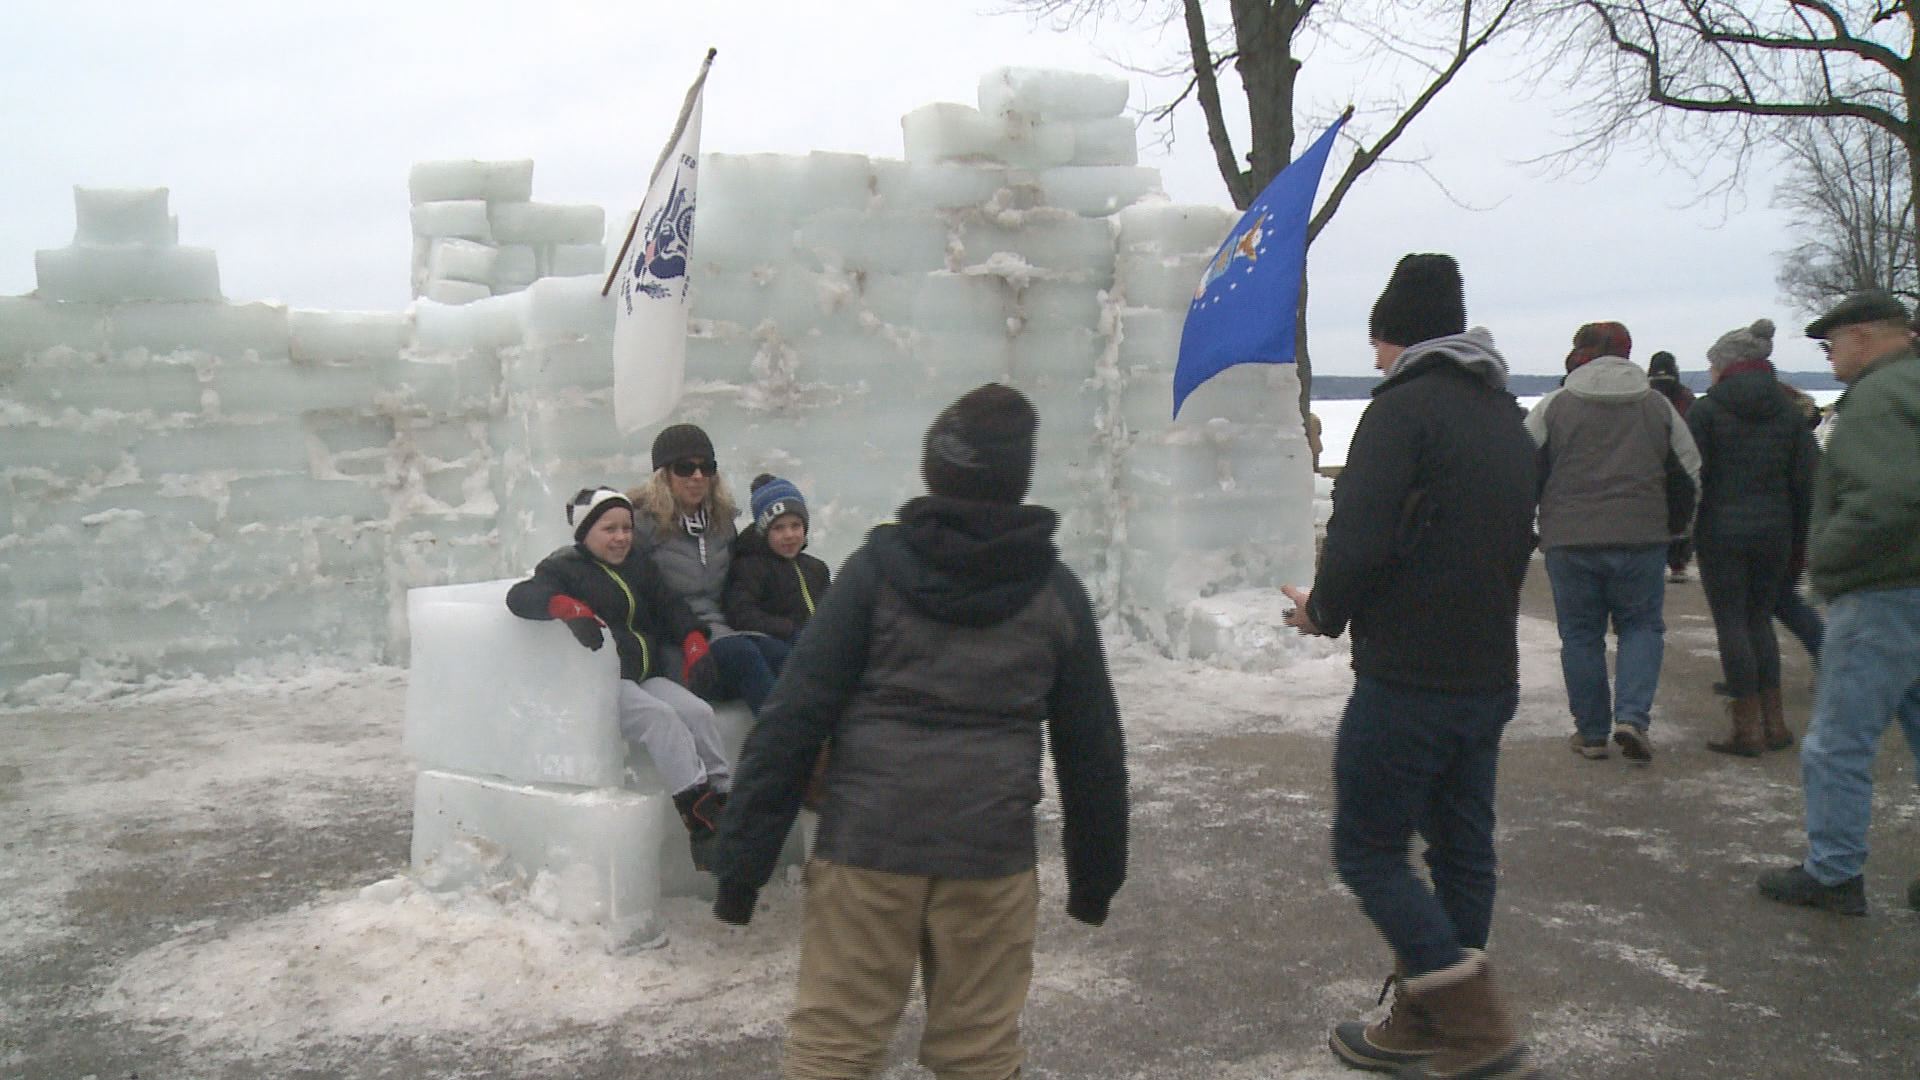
x=1663, y=375
x=954, y=646
x=1431, y=534
x=774, y=586
x=599, y=585
x=1756, y=489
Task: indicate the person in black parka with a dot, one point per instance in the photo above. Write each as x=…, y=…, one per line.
x=1429, y=542
x=599, y=585
x=1757, y=463
x=954, y=650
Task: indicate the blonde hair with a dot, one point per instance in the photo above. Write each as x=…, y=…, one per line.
x=654, y=501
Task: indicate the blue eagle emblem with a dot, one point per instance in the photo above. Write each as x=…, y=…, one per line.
x=660, y=266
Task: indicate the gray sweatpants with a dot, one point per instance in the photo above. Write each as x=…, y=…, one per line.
x=678, y=731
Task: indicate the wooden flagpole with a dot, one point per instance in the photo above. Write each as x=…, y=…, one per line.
x=673, y=140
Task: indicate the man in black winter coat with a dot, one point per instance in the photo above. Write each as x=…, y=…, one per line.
x=953, y=647
x=1431, y=533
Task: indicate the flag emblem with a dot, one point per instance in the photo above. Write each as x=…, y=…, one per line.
x=1245, y=308
x=669, y=234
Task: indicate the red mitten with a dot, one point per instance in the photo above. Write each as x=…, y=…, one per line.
x=579, y=618
x=697, y=667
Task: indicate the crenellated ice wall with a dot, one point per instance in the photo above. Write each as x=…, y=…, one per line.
x=195, y=485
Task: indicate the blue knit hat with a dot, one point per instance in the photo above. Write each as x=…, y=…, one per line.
x=773, y=497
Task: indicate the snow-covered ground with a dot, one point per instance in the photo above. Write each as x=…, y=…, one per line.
x=387, y=958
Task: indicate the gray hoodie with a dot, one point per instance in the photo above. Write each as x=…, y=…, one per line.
x=1604, y=438
x=1472, y=350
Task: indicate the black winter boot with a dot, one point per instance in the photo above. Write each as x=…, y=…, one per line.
x=700, y=807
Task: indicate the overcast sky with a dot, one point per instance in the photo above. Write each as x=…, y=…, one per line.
x=285, y=133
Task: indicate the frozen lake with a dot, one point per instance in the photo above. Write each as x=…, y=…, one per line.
x=1339, y=418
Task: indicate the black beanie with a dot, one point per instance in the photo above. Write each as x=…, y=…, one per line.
x=587, y=506
x=1423, y=300
x=679, y=442
x=1663, y=363
x=981, y=446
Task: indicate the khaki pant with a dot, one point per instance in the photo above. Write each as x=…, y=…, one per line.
x=865, y=930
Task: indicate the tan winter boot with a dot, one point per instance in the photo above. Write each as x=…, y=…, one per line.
x=1773, y=719
x=1745, y=739
x=1477, y=1037
x=1400, y=1038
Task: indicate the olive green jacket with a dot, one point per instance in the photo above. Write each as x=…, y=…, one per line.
x=1866, y=498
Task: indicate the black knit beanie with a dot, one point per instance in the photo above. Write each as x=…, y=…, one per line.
x=1663, y=363
x=587, y=506
x=1423, y=300
x=981, y=446
x=679, y=442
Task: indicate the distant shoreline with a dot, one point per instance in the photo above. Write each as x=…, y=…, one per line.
x=1356, y=387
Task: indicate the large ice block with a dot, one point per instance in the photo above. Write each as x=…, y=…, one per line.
x=123, y=216
x=500, y=181
x=587, y=855
x=492, y=694
x=128, y=272
x=1057, y=95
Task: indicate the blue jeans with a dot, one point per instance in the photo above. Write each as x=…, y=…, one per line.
x=748, y=664
x=1590, y=587
x=1869, y=673
x=1408, y=760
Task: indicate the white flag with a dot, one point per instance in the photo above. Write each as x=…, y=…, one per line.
x=650, y=312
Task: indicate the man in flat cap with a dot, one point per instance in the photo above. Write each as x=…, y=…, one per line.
x=1863, y=554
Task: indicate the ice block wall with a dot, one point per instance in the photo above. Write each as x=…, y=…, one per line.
x=194, y=485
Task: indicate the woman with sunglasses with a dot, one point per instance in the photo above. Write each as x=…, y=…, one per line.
x=684, y=523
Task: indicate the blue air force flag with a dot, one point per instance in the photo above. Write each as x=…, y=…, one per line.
x=650, y=311
x=1243, y=311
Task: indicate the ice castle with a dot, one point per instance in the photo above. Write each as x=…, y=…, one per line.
x=198, y=485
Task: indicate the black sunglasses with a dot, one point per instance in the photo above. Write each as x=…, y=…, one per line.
x=687, y=467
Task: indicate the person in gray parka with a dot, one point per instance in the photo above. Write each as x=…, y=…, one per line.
x=683, y=522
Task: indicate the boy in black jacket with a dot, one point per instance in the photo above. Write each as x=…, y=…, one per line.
x=773, y=585
x=597, y=586
x=952, y=643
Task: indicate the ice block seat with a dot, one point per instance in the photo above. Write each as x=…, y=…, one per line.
x=522, y=770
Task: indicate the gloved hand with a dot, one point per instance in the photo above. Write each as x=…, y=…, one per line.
x=734, y=903
x=697, y=670
x=579, y=618
x=1088, y=909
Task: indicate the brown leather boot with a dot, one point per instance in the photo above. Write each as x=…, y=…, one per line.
x=1476, y=1036
x=1745, y=739
x=1402, y=1037
x=1773, y=719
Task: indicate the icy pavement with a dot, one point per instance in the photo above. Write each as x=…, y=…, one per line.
x=202, y=881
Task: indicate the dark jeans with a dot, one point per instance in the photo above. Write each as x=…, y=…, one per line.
x=748, y=664
x=1408, y=760
x=1801, y=620
x=1743, y=581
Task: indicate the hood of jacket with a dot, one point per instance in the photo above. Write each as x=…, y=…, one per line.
x=1608, y=378
x=964, y=561
x=1472, y=351
x=1750, y=395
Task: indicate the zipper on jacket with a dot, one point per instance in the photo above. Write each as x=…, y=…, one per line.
x=646, y=661
x=804, y=594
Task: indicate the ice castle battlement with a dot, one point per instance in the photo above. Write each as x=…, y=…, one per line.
x=190, y=484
